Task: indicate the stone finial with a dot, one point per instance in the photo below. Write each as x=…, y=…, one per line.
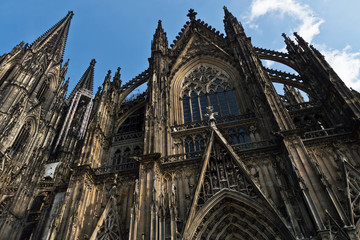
x=210, y=113
x=191, y=14
x=93, y=61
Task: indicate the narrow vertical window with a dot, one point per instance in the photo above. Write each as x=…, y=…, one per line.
x=127, y=154
x=6, y=75
x=232, y=102
x=117, y=157
x=22, y=138
x=42, y=91
x=203, y=104
x=195, y=107
x=186, y=108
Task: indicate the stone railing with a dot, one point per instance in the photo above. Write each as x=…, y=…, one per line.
x=9, y=190
x=302, y=106
x=253, y=145
x=117, y=168
x=220, y=120
x=46, y=184
x=181, y=157
x=271, y=53
x=283, y=75
x=326, y=132
x=236, y=147
x=127, y=136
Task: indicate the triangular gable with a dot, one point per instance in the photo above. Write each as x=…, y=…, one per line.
x=108, y=226
x=194, y=43
x=222, y=168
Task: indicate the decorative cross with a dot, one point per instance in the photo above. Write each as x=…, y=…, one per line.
x=191, y=14
x=210, y=113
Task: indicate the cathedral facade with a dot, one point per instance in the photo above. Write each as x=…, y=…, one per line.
x=210, y=150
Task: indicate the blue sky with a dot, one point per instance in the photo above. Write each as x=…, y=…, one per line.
x=119, y=33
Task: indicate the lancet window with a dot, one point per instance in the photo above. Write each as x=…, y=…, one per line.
x=6, y=75
x=22, y=137
x=206, y=86
x=122, y=154
x=42, y=91
x=194, y=143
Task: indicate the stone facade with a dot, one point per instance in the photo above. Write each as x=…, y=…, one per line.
x=209, y=151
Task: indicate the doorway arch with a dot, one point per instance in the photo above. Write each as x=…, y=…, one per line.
x=233, y=215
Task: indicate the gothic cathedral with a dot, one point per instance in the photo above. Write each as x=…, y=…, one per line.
x=210, y=150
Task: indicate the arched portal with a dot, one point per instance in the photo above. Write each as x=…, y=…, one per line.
x=232, y=215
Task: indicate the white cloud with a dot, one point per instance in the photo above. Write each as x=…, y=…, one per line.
x=309, y=23
x=345, y=62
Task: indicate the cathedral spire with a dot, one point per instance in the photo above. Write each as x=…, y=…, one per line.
x=160, y=42
x=54, y=40
x=87, y=80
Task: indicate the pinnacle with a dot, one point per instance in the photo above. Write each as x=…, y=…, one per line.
x=108, y=74
x=92, y=63
x=117, y=74
x=66, y=84
x=227, y=13
x=226, y=10
x=159, y=40
x=116, y=78
x=67, y=62
x=159, y=28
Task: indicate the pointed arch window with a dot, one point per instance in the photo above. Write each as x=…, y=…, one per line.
x=117, y=157
x=42, y=91
x=137, y=151
x=21, y=138
x=7, y=74
x=206, y=86
x=127, y=154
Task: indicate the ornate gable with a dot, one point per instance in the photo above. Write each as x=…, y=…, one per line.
x=198, y=38
x=108, y=227
x=222, y=174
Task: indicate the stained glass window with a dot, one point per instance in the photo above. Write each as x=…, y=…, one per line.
x=206, y=86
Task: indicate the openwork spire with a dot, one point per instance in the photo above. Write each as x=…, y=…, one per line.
x=87, y=80
x=54, y=40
